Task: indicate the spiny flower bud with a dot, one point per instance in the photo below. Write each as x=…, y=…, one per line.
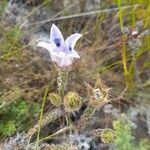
x=55, y=99
x=107, y=136
x=72, y=102
x=99, y=97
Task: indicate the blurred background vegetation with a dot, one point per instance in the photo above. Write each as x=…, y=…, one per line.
x=115, y=45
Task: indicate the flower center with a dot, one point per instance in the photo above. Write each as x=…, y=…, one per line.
x=57, y=42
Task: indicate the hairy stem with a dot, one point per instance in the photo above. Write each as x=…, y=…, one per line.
x=62, y=82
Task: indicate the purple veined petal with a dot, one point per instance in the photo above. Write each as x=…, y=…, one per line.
x=71, y=40
x=47, y=46
x=62, y=55
x=56, y=36
x=65, y=62
x=57, y=55
x=73, y=54
x=61, y=62
x=55, y=58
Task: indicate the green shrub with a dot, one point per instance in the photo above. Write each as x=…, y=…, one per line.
x=143, y=145
x=7, y=128
x=124, y=137
x=12, y=115
x=16, y=110
x=18, y=115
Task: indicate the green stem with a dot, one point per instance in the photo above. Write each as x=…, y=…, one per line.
x=124, y=57
x=41, y=115
x=120, y=14
x=123, y=50
x=133, y=14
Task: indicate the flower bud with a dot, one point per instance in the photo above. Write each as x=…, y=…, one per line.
x=55, y=99
x=72, y=102
x=107, y=136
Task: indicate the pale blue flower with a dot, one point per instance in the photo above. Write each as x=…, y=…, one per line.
x=61, y=51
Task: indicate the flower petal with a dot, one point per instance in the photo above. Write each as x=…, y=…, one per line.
x=72, y=39
x=47, y=46
x=56, y=36
x=73, y=54
x=65, y=62
x=61, y=62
